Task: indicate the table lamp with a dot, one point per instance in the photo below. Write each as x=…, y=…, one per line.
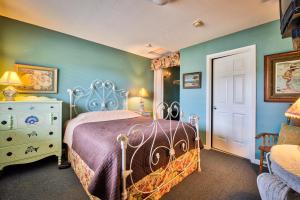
x=294, y=110
x=142, y=94
x=11, y=79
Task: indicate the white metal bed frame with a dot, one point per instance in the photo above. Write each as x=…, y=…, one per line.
x=103, y=95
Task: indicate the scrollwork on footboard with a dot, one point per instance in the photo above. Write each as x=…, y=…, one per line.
x=184, y=144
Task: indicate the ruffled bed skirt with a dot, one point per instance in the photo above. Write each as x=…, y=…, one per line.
x=174, y=174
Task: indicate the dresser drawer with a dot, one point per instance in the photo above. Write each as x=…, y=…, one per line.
x=30, y=106
x=19, y=152
x=6, y=121
x=29, y=120
x=36, y=119
x=21, y=136
x=45, y=107
x=13, y=107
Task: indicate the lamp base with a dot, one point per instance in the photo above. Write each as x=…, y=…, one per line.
x=9, y=93
x=142, y=106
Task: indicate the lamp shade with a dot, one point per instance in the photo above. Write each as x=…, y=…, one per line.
x=294, y=110
x=143, y=93
x=10, y=78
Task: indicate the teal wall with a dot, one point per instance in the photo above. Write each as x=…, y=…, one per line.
x=79, y=61
x=268, y=41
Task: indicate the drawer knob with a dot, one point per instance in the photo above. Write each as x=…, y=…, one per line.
x=50, y=145
x=54, y=118
x=9, y=154
x=51, y=106
x=9, y=108
x=4, y=122
x=9, y=139
x=50, y=133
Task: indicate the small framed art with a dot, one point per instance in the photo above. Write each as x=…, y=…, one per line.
x=192, y=80
x=282, y=77
x=37, y=79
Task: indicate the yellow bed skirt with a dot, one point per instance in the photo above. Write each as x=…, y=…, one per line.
x=174, y=174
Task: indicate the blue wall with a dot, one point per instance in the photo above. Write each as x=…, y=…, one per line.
x=268, y=41
x=79, y=61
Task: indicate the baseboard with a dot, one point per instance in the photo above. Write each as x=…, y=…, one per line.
x=257, y=161
x=254, y=161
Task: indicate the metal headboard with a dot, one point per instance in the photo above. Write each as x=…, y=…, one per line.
x=100, y=96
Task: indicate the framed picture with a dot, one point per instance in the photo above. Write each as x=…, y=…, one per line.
x=282, y=77
x=37, y=79
x=192, y=80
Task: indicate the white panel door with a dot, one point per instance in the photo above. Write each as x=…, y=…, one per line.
x=231, y=104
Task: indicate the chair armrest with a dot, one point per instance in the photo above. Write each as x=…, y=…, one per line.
x=265, y=134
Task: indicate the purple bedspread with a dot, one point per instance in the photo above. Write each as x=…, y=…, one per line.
x=96, y=144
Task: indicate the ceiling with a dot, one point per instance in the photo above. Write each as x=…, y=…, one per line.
x=131, y=24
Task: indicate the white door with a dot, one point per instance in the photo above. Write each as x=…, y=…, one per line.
x=231, y=104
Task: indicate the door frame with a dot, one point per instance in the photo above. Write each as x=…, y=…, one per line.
x=158, y=94
x=209, y=63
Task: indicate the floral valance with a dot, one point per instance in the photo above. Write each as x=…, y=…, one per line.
x=171, y=60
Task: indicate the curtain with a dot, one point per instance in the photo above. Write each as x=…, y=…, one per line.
x=171, y=60
x=158, y=92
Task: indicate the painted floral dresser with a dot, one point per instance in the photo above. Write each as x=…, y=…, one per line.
x=30, y=129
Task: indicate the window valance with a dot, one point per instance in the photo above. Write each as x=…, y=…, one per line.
x=171, y=60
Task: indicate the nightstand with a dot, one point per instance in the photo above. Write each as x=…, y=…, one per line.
x=145, y=113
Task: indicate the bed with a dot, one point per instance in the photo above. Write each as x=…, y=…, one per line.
x=119, y=154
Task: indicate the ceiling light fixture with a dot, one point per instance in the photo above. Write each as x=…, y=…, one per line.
x=198, y=23
x=160, y=2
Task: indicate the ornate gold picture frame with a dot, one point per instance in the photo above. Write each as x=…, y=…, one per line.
x=37, y=79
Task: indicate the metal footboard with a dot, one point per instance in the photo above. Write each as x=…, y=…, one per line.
x=154, y=157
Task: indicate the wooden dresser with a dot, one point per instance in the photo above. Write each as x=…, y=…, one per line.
x=30, y=130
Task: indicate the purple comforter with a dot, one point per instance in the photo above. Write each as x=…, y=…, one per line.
x=96, y=144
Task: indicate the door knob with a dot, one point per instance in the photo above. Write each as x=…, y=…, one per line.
x=214, y=107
